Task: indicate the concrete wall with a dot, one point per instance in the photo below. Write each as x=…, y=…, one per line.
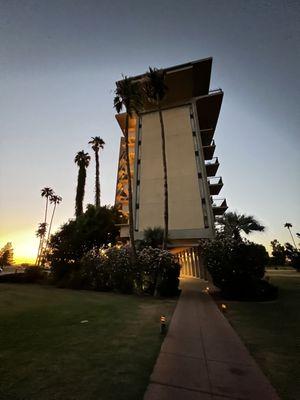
x=185, y=208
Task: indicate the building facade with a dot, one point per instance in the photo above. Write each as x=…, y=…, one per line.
x=190, y=114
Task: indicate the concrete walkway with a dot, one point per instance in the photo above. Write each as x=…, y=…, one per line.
x=202, y=358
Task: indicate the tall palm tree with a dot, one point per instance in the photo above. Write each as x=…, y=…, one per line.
x=97, y=144
x=233, y=224
x=54, y=199
x=155, y=90
x=40, y=233
x=46, y=192
x=289, y=226
x=82, y=159
x=128, y=95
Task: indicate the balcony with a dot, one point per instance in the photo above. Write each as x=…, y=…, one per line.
x=208, y=110
x=208, y=151
x=206, y=136
x=219, y=206
x=215, y=185
x=212, y=167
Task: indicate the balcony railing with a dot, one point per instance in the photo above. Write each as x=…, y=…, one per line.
x=215, y=185
x=208, y=151
x=219, y=206
x=212, y=166
x=207, y=136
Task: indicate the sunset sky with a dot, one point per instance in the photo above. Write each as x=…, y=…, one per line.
x=58, y=64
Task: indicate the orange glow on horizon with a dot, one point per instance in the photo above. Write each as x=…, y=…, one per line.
x=25, y=246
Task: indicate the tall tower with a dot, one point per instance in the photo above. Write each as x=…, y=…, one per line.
x=190, y=114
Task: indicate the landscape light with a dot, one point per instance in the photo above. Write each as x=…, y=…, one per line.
x=223, y=307
x=162, y=324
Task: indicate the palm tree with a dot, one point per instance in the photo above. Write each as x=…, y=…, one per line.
x=97, y=144
x=54, y=199
x=155, y=90
x=40, y=233
x=82, y=159
x=232, y=224
x=46, y=192
x=128, y=96
x=154, y=236
x=289, y=226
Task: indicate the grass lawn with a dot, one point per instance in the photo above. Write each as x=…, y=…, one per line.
x=46, y=353
x=271, y=331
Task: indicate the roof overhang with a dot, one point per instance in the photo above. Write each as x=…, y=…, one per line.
x=185, y=81
x=121, y=118
x=208, y=110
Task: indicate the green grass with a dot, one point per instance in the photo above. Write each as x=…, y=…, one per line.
x=46, y=353
x=271, y=331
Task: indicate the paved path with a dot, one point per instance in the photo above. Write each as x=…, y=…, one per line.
x=202, y=358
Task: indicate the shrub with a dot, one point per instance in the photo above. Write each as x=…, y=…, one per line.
x=97, y=227
x=293, y=256
x=156, y=272
x=159, y=272
x=30, y=275
x=237, y=268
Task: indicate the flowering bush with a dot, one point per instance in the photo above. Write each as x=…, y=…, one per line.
x=155, y=272
x=158, y=272
x=237, y=268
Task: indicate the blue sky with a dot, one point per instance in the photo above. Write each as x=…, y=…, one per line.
x=59, y=62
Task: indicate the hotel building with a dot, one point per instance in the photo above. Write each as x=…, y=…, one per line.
x=190, y=114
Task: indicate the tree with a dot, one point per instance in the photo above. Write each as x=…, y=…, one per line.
x=293, y=255
x=128, y=95
x=54, y=199
x=232, y=224
x=153, y=237
x=155, y=90
x=289, y=226
x=82, y=159
x=97, y=144
x=278, y=253
x=7, y=255
x=237, y=268
x=40, y=233
x=95, y=228
x=46, y=192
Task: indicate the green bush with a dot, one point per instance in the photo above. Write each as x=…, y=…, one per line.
x=237, y=268
x=159, y=272
x=155, y=272
x=293, y=256
x=30, y=275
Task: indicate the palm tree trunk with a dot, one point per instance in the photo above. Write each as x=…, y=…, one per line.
x=80, y=191
x=130, y=208
x=38, y=253
x=292, y=237
x=50, y=225
x=166, y=193
x=97, y=183
x=41, y=246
